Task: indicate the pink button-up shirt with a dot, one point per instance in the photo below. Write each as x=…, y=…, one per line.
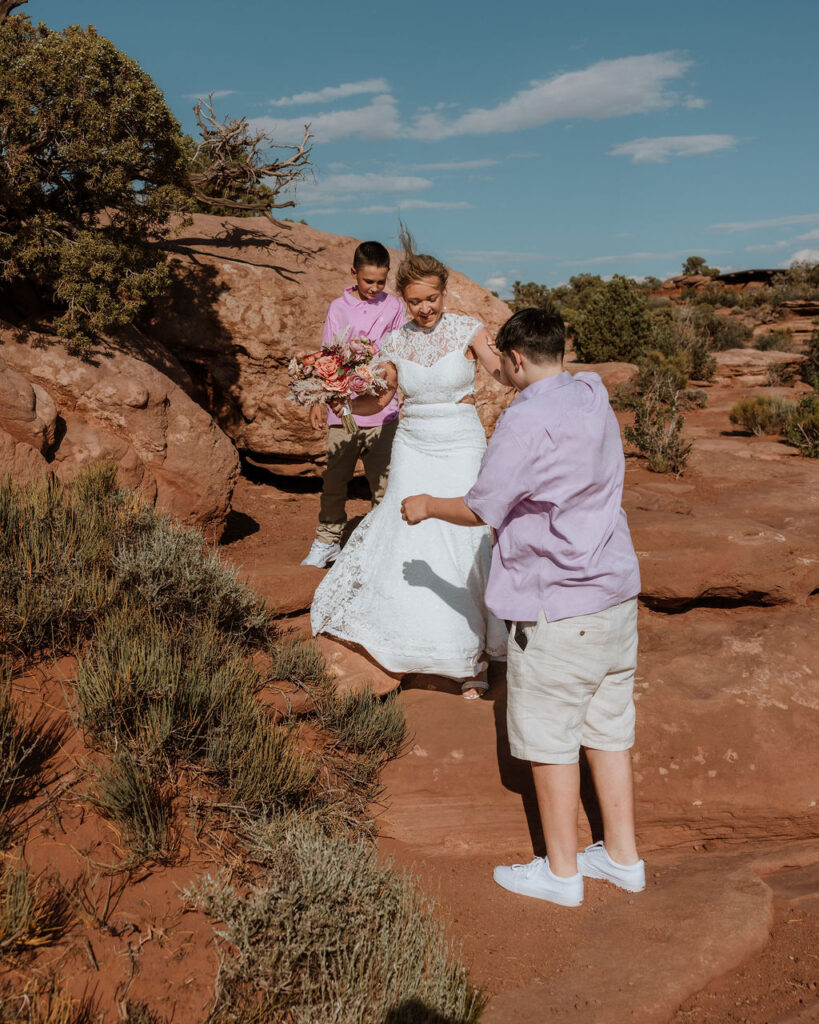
x=373, y=319
x=551, y=485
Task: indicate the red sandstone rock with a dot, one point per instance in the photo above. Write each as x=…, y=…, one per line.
x=241, y=309
x=114, y=408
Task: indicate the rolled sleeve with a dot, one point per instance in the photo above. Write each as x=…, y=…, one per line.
x=504, y=479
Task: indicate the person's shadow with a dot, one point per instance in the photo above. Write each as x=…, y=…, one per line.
x=515, y=775
x=415, y=1011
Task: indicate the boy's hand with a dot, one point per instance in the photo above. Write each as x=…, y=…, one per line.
x=415, y=509
x=317, y=418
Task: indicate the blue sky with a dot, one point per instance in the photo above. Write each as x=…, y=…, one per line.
x=519, y=140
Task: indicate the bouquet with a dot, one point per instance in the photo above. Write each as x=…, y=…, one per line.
x=340, y=370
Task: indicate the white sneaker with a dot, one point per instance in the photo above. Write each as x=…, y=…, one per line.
x=594, y=862
x=321, y=555
x=536, y=879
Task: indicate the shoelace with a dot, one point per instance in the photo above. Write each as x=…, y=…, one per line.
x=530, y=868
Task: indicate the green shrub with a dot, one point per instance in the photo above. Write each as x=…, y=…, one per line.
x=782, y=374
x=779, y=339
x=133, y=794
x=615, y=324
x=32, y=913
x=172, y=571
x=657, y=430
x=809, y=369
x=762, y=415
x=719, y=332
x=330, y=935
x=697, y=265
x=803, y=428
x=367, y=724
x=84, y=131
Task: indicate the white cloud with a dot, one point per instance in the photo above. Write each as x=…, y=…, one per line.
x=400, y=204
x=335, y=188
x=695, y=102
x=217, y=94
x=492, y=255
x=809, y=236
x=768, y=248
x=334, y=92
x=629, y=85
x=462, y=165
x=803, y=255
x=658, y=150
x=775, y=222
x=378, y=120
x=497, y=283
x=626, y=257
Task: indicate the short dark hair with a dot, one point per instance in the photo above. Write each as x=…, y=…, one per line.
x=371, y=254
x=539, y=334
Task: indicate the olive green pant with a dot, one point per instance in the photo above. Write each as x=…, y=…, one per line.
x=373, y=445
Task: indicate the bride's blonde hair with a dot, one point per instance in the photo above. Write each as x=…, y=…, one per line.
x=416, y=266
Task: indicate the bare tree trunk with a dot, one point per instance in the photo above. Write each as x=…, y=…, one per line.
x=7, y=6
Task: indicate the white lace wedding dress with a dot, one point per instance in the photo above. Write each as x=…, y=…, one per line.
x=412, y=596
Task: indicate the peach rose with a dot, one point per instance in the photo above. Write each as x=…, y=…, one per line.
x=327, y=367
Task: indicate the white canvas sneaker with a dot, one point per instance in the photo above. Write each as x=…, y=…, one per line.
x=536, y=879
x=594, y=862
x=321, y=555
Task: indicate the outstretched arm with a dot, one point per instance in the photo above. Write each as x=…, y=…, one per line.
x=484, y=352
x=419, y=507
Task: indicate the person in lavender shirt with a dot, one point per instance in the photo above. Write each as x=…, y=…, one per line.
x=565, y=578
x=364, y=310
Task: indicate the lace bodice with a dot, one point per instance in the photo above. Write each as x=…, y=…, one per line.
x=432, y=366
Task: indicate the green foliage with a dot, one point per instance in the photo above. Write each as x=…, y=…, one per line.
x=719, y=332
x=614, y=325
x=525, y=296
x=782, y=374
x=132, y=794
x=697, y=265
x=809, y=369
x=675, y=334
x=763, y=415
x=657, y=429
x=780, y=339
x=69, y=554
x=93, y=166
x=803, y=428
x=32, y=913
x=330, y=936
x=365, y=723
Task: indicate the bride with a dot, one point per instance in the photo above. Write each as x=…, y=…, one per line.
x=413, y=596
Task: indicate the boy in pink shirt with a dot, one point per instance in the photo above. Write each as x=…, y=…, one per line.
x=565, y=578
x=365, y=310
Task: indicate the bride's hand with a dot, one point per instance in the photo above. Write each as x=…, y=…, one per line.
x=414, y=509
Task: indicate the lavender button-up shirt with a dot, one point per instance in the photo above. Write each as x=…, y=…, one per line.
x=373, y=319
x=551, y=485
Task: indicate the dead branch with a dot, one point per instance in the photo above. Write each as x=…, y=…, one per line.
x=230, y=169
x=7, y=6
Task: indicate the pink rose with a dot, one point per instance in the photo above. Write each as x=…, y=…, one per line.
x=357, y=384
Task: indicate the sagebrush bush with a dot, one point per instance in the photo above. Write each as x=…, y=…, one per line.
x=809, y=368
x=779, y=339
x=719, y=332
x=32, y=912
x=782, y=374
x=365, y=723
x=134, y=793
x=803, y=427
x=763, y=415
x=331, y=936
x=188, y=697
x=172, y=571
x=657, y=430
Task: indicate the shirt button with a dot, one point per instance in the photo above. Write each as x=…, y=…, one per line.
x=582, y=632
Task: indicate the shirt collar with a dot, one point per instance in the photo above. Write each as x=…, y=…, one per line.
x=543, y=387
x=354, y=300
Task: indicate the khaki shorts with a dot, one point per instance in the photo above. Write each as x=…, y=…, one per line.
x=571, y=683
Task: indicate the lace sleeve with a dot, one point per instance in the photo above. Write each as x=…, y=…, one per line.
x=469, y=328
x=388, y=349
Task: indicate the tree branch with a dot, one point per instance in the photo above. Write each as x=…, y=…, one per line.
x=7, y=6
